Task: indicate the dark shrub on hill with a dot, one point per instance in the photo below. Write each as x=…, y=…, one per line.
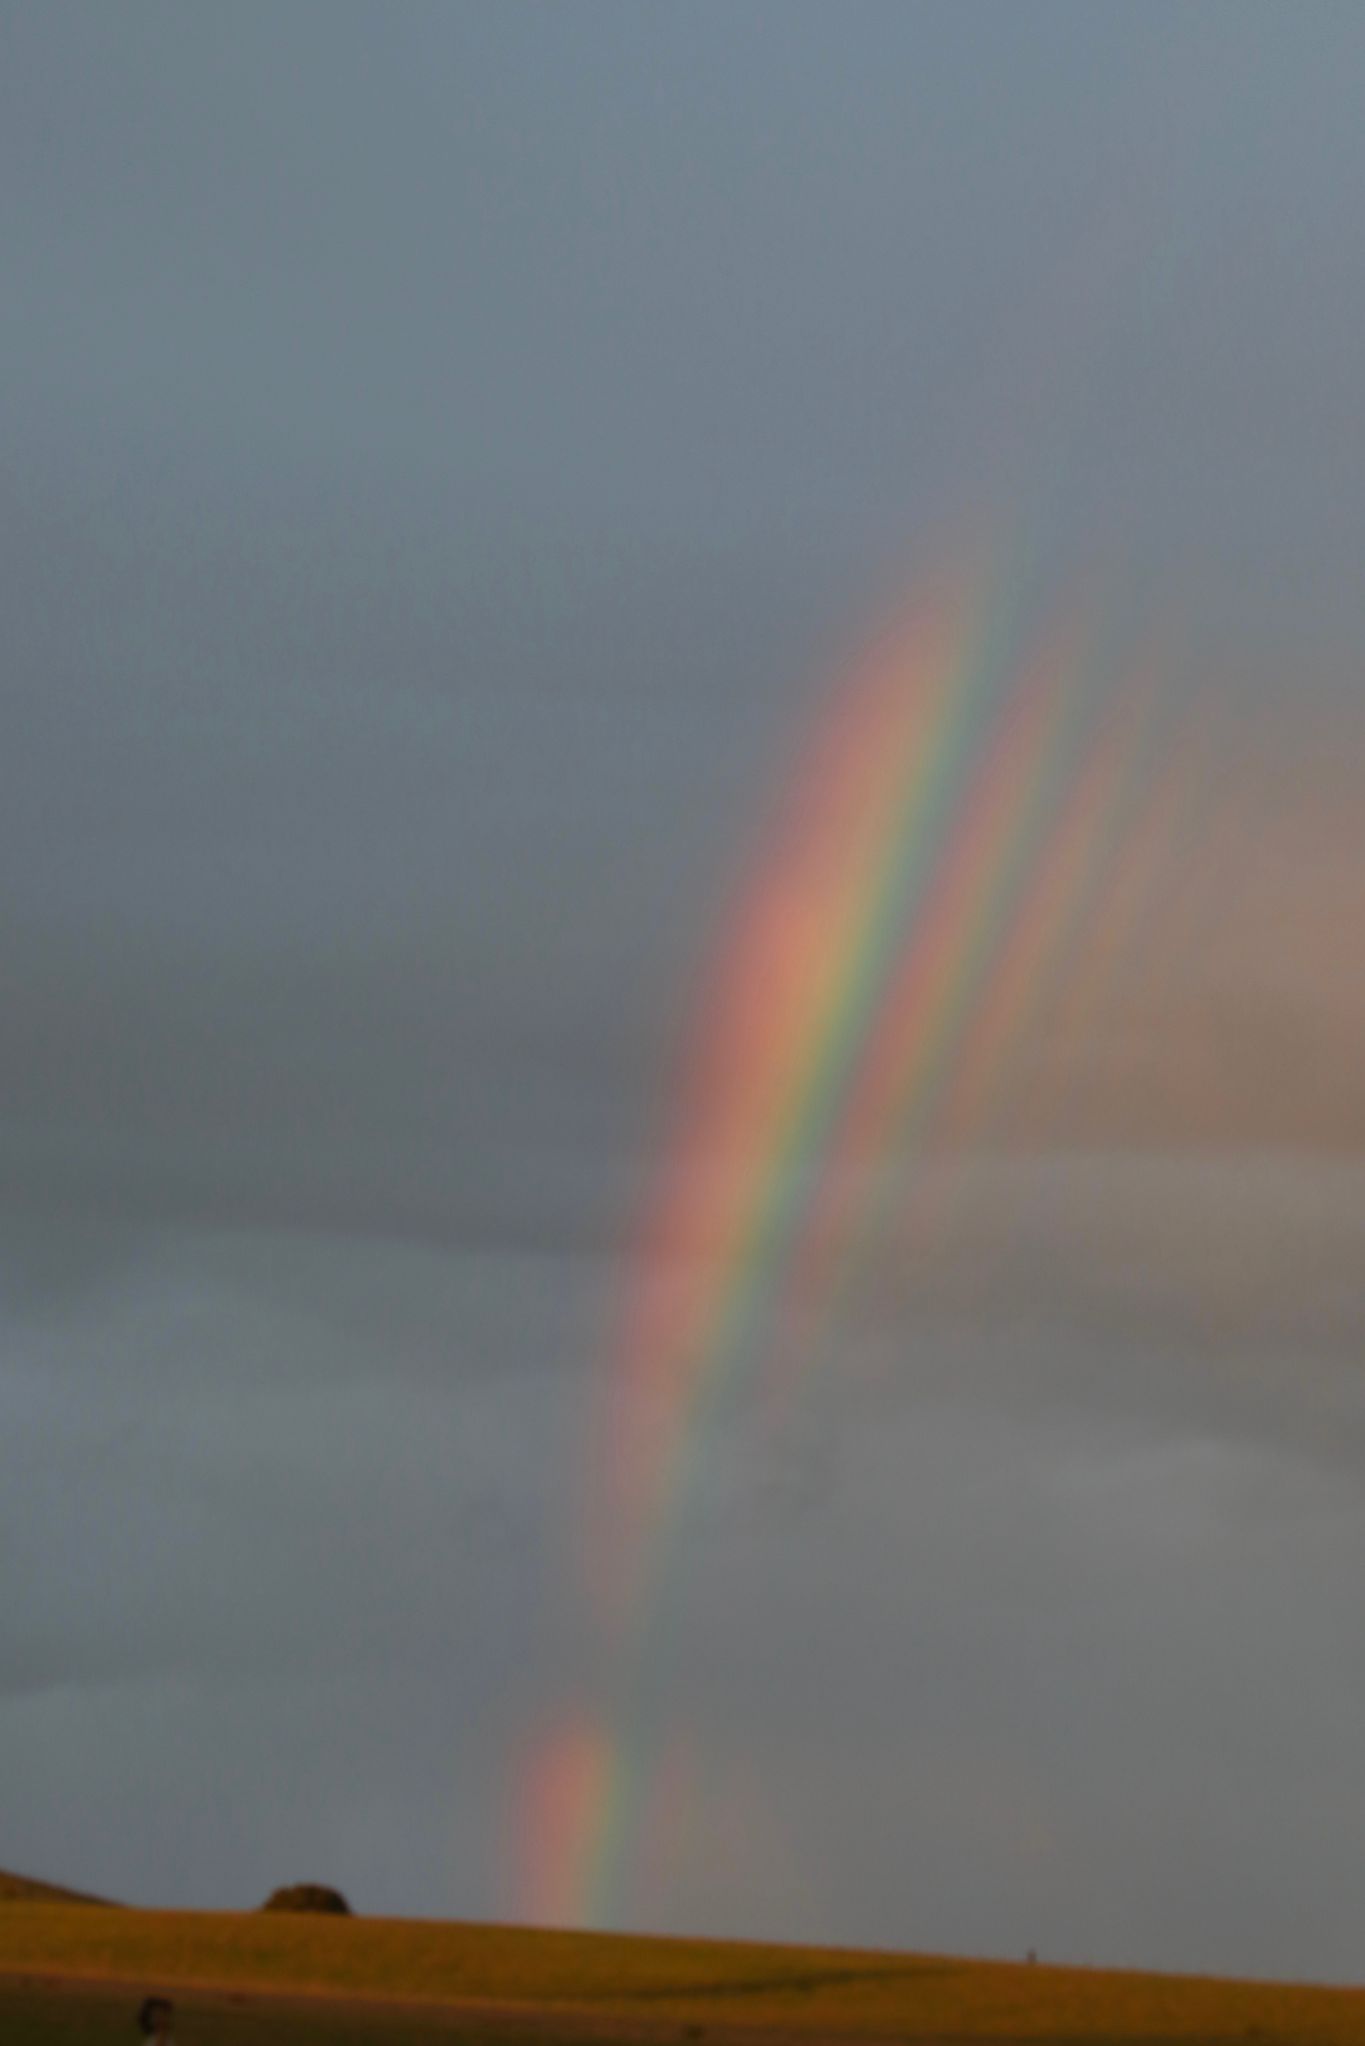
x=308, y=1897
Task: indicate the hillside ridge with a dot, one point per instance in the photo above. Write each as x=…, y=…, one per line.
x=557, y=1986
x=18, y=1889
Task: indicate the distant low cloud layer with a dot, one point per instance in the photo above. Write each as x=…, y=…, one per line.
x=1051, y=1567
x=445, y=470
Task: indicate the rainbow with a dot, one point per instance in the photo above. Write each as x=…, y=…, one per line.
x=982, y=798
x=563, y=1777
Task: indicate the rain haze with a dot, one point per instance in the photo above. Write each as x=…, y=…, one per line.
x=454, y=460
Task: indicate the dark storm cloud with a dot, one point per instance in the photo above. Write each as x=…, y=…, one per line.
x=445, y=452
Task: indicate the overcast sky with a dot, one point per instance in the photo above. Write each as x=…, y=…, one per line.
x=447, y=451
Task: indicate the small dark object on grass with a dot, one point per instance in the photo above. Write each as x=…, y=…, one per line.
x=308, y=1897
x=154, y=2020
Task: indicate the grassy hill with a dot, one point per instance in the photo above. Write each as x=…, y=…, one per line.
x=16, y=1889
x=70, y=1973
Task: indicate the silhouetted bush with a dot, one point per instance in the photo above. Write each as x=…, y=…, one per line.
x=308, y=1897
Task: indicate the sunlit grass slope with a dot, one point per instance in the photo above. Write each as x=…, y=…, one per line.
x=659, y=1984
